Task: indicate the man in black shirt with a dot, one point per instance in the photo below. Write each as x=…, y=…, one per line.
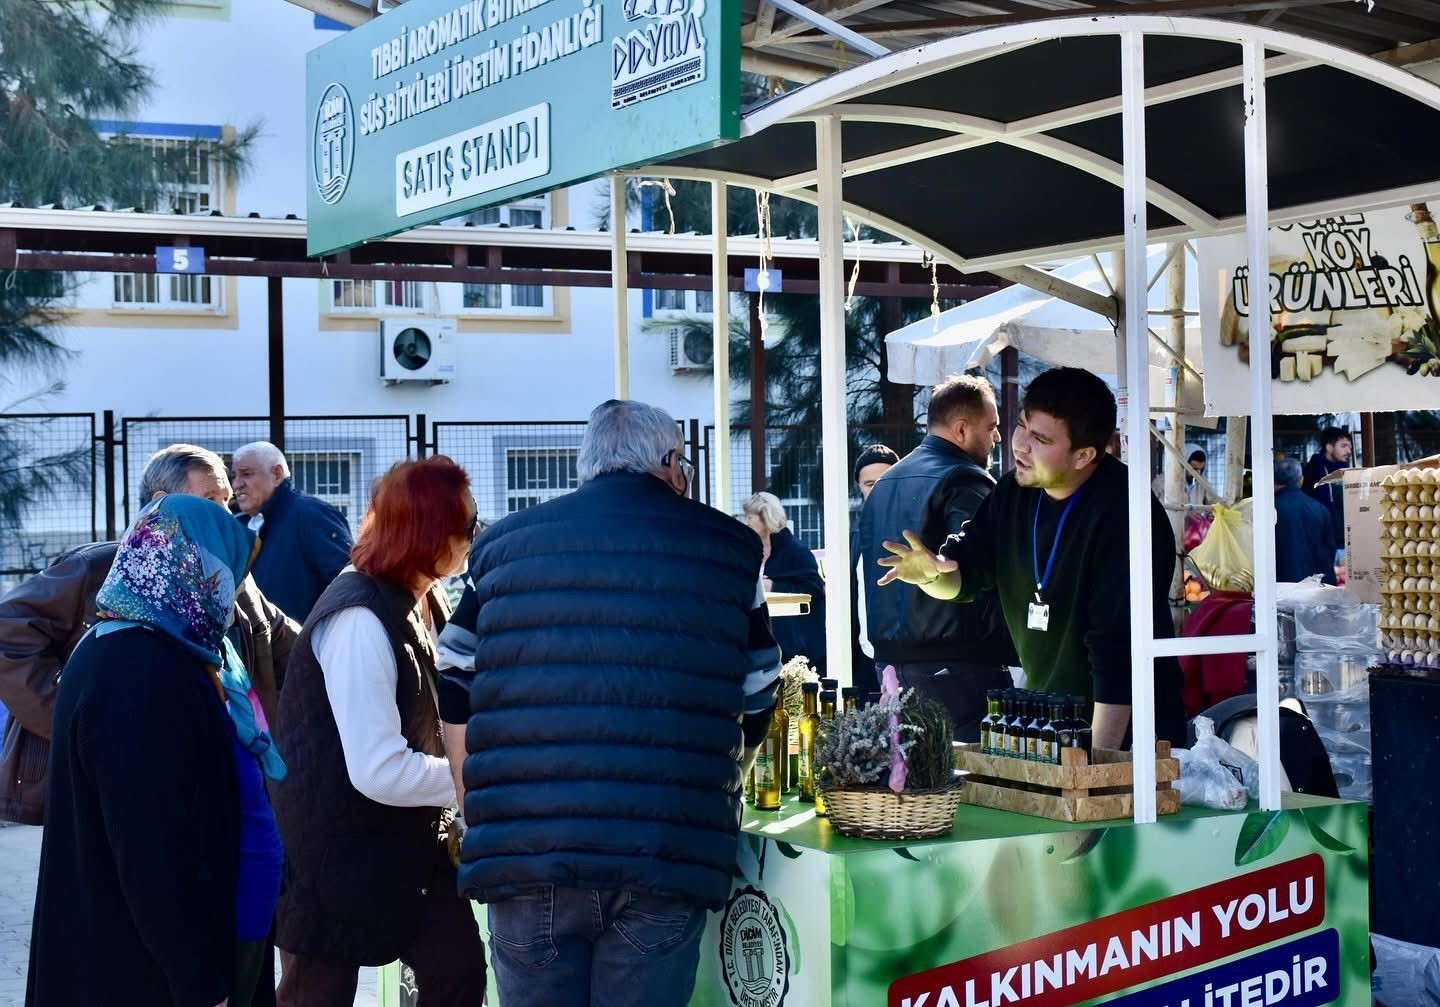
x=955, y=654
x=1053, y=539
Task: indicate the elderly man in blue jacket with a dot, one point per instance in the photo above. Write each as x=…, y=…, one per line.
x=623, y=672
x=305, y=541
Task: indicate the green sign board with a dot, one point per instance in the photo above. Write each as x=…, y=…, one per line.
x=445, y=106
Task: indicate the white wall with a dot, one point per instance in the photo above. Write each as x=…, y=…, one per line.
x=251, y=67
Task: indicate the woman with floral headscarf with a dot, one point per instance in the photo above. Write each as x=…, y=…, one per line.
x=160, y=865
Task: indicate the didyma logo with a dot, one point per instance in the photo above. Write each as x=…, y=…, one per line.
x=334, y=143
x=754, y=958
x=663, y=51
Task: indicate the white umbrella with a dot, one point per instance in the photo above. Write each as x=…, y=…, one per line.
x=1054, y=331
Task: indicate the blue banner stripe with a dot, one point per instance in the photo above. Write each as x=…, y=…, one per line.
x=1303, y=973
x=178, y=130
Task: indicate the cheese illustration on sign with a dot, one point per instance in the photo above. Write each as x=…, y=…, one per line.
x=663, y=53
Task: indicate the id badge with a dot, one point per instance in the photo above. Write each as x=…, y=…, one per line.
x=1039, y=617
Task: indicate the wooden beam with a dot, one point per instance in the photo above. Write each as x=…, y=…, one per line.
x=764, y=21
x=1048, y=283
x=1409, y=55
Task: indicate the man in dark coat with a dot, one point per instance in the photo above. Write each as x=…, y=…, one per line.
x=42, y=620
x=1336, y=449
x=306, y=540
x=956, y=653
x=1304, y=535
x=624, y=673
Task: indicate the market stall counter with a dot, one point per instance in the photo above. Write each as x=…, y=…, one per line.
x=1204, y=908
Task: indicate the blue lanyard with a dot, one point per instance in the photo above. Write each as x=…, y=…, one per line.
x=1040, y=581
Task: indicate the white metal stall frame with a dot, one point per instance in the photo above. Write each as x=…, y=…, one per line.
x=820, y=104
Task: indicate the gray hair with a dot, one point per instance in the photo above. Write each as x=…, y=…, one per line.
x=627, y=436
x=766, y=507
x=266, y=454
x=1288, y=472
x=168, y=470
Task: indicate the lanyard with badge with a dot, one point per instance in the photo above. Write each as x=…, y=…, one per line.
x=1039, y=617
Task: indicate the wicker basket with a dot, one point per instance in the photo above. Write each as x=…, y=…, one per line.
x=880, y=813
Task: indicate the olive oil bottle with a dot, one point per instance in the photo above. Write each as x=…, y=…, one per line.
x=809, y=732
x=851, y=698
x=827, y=714
x=770, y=764
x=1050, y=732
x=994, y=701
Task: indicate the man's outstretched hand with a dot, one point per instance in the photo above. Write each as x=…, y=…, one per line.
x=913, y=563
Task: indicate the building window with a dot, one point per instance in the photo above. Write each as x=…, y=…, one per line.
x=806, y=522
x=669, y=300
x=535, y=475
x=704, y=302
x=369, y=296
x=331, y=476
x=496, y=298
x=192, y=181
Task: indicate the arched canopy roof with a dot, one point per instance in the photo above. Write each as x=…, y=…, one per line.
x=1003, y=146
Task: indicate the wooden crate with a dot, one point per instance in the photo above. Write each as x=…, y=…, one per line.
x=1080, y=789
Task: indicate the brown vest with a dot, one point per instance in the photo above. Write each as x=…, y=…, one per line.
x=360, y=869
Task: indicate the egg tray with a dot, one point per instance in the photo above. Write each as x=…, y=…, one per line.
x=1410, y=556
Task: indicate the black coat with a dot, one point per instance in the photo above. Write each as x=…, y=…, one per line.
x=304, y=544
x=792, y=570
x=1304, y=538
x=136, y=897
x=612, y=650
x=933, y=491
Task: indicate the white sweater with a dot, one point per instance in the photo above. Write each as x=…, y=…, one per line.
x=360, y=679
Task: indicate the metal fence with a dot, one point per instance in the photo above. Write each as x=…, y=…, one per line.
x=70, y=478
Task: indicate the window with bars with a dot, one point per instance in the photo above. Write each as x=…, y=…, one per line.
x=534, y=475
x=669, y=300
x=496, y=298
x=806, y=521
x=329, y=475
x=368, y=296
x=192, y=181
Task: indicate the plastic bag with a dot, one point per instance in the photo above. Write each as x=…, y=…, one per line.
x=1214, y=774
x=1338, y=629
x=1310, y=591
x=1226, y=559
x=1406, y=975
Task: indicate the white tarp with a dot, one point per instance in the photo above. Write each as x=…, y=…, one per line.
x=1042, y=326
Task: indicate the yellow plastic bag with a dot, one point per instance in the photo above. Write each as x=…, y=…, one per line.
x=1226, y=559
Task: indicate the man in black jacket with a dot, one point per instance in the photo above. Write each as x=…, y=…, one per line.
x=955, y=653
x=623, y=672
x=1304, y=537
x=305, y=541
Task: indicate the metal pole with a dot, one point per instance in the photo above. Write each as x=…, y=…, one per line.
x=757, y=399
x=720, y=301
x=1175, y=461
x=1136, y=327
x=1257, y=223
x=1122, y=357
x=275, y=299
x=420, y=445
x=109, y=462
x=832, y=28
x=834, y=428
x=1009, y=404
x=620, y=285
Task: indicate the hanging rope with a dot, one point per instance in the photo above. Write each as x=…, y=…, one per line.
x=855, y=272
x=926, y=259
x=762, y=219
x=663, y=184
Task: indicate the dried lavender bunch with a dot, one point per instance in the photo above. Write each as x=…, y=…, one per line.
x=854, y=748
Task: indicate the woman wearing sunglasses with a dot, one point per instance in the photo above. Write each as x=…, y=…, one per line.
x=366, y=804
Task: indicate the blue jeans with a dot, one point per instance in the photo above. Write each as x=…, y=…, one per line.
x=578, y=947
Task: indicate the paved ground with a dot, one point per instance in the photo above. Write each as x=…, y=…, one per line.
x=19, y=864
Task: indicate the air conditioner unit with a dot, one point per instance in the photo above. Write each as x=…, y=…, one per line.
x=417, y=349
x=691, y=350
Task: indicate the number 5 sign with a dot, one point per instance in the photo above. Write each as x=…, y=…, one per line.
x=179, y=260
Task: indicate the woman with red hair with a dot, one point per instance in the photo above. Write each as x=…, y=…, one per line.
x=365, y=807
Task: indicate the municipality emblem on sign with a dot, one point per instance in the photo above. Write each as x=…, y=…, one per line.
x=333, y=143
x=753, y=956
x=663, y=51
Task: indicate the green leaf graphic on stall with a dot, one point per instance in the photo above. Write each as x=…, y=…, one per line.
x=786, y=850
x=901, y=851
x=794, y=942
x=1089, y=842
x=1260, y=836
x=1010, y=887
x=1323, y=838
x=842, y=902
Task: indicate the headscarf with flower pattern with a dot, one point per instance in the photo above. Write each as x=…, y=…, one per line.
x=176, y=572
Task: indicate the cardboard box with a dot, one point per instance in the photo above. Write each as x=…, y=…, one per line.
x=1364, y=501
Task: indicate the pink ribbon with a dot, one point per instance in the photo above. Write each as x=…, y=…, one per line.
x=890, y=687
